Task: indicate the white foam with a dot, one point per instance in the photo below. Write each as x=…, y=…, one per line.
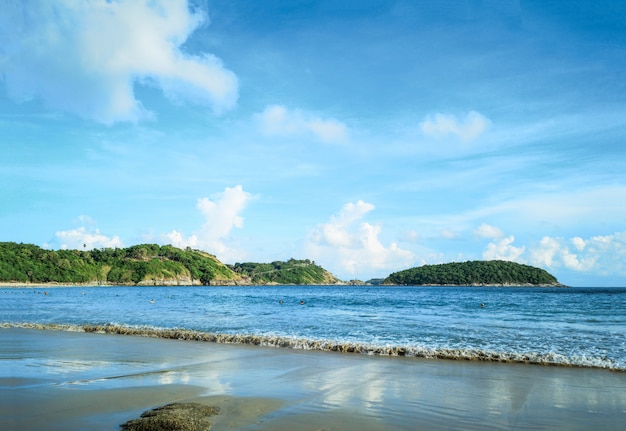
x=468, y=354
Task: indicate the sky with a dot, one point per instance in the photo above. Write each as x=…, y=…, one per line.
x=370, y=136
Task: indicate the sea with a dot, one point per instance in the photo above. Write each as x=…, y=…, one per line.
x=574, y=326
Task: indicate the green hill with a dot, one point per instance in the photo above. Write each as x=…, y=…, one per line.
x=139, y=264
x=493, y=272
x=291, y=272
x=146, y=264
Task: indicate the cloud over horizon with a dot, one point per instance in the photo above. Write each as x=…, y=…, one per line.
x=602, y=254
x=346, y=244
x=84, y=238
x=221, y=215
x=85, y=57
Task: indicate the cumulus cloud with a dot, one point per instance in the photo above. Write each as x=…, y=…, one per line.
x=466, y=129
x=579, y=243
x=543, y=253
x=602, y=254
x=85, y=56
x=221, y=214
x=86, y=238
x=500, y=246
x=487, y=231
x=346, y=244
x=555, y=253
x=503, y=249
x=277, y=120
x=605, y=254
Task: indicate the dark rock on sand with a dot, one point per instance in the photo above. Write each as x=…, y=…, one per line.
x=174, y=417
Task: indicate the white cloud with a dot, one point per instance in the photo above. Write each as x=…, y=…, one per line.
x=278, y=120
x=555, y=253
x=544, y=253
x=84, y=238
x=503, y=249
x=346, y=244
x=85, y=56
x=487, y=231
x=221, y=215
x=572, y=261
x=177, y=239
x=604, y=254
x=579, y=243
x=466, y=129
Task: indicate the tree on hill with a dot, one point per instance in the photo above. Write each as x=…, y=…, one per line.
x=292, y=271
x=144, y=263
x=493, y=272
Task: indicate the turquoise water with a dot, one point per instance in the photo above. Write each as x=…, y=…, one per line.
x=567, y=326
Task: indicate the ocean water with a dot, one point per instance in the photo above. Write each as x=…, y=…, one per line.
x=583, y=327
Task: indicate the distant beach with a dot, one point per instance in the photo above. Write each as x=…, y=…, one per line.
x=61, y=380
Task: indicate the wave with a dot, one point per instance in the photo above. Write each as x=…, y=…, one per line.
x=533, y=358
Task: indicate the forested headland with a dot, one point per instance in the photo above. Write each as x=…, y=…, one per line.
x=292, y=271
x=478, y=272
x=139, y=264
x=152, y=264
x=146, y=264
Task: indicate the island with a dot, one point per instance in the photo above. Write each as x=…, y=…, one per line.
x=166, y=265
x=292, y=271
x=146, y=264
x=474, y=273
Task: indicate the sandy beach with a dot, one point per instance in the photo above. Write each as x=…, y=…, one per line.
x=59, y=380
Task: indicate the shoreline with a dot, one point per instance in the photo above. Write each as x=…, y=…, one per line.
x=277, y=342
x=54, y=284
x=93, y=381
x=10, y=284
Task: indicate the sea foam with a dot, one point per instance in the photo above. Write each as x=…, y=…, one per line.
x=534, y=358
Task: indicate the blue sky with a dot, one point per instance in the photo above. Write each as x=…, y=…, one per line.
x=368, y=136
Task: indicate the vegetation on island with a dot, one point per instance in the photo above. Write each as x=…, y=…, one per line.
x=493, y=272
x=152, y=264
x=292, y=271
x=139, y=264
x=146, y=264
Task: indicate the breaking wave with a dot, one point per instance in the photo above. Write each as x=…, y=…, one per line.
x=534, y=358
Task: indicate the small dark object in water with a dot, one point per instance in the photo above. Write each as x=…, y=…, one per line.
x=174, y=417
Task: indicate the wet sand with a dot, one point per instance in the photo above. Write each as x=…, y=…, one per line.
x=58, y=380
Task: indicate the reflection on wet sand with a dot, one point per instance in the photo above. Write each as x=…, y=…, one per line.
x=97, y=381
